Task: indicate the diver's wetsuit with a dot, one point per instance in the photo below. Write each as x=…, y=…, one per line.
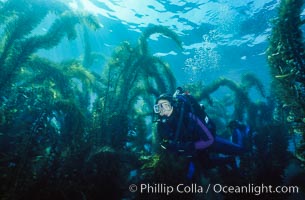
x=195, y=140
x=193, y=133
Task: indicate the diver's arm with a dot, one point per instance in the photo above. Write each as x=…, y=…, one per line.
x=202, y=144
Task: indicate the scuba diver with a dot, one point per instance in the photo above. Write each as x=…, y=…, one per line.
x=240, y=134
x=184, y=131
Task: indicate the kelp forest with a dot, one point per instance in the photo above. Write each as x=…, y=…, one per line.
x=67, y=132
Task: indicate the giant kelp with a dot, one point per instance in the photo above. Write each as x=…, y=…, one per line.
x=18, y=44
x=44, y=105
x=131, y=77
x=56, y=85
x=53, y=114
x=265, y=137
x=286, y=59
x=56, y=134
x=244, y=108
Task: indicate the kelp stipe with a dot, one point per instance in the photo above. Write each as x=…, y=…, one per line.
x=241, y=100
x=45, y=114
x=132, y=75
x=286, y=57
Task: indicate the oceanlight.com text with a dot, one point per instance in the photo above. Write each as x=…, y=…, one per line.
x=255, y=189
x=161, y=188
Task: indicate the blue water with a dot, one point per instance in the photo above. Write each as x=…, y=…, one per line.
x=45, y=151
x=221, y=38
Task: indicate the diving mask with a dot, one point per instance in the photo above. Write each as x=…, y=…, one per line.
x=165, y=106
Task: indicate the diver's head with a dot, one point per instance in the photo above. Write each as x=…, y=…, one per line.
x=178, y=91
x=164, y=105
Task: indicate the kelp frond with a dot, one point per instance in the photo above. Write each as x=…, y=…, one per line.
x=18, y=48
x=64, y=26
x=44, y=71
x=208, y=90
x=242, y=100
x=161, y=74
x=286, y=60
x=250, y=80
x=89, y=21
x=79, y=72
x=157, y=29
